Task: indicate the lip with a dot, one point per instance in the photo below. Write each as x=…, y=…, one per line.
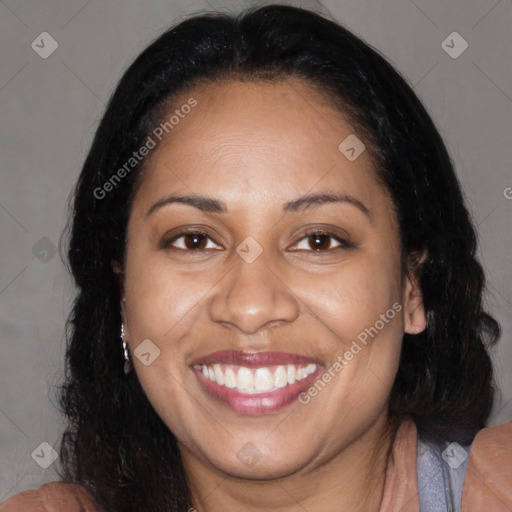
x=254, y=359
x=260, y=403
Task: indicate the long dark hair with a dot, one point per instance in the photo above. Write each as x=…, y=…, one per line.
x=115, y=444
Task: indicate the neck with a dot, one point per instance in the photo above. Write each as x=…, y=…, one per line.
x=352, y=480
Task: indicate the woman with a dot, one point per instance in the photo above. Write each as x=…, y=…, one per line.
x=279, y=305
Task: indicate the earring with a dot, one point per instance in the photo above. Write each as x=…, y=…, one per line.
x=127, y=362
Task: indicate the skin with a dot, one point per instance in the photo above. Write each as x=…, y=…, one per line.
x=255, y=146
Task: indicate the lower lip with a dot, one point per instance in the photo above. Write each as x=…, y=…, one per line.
x=260, y=403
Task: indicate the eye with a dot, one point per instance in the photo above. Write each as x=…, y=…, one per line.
x=321, y=241
x=191, y=241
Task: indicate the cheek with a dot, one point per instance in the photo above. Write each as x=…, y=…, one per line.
x=359, y=312
x=161, y=303
x=162, y=307
x=353, y=298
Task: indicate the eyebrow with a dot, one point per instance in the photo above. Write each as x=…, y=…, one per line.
x=205, y=204
x=210, y=205
x=318, y=199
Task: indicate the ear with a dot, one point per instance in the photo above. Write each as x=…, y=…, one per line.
x=414, y=310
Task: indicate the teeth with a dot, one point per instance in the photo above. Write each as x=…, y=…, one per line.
x=219, y=377
x=244, y=379
x=280, y=379
x=263, y=380
x=258, y=380
x=229, y=378
x=290, y=373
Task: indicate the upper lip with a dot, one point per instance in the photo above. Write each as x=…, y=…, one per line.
x=254, y=359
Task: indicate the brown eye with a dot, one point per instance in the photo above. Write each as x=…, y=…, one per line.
x=318, y=241
x=191, y=241
x=194, y=241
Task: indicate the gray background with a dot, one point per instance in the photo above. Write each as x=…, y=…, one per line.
x=49, y=109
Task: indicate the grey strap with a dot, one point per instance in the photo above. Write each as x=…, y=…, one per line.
x=440, y=472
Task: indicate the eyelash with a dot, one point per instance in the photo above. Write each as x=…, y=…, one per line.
x=344, y=244
x=166, y=243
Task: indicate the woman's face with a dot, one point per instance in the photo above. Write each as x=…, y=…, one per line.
x=296, y=267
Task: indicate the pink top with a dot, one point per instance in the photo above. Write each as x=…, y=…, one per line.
x=487, y=485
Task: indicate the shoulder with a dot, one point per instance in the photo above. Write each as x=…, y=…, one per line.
x=488, y=481
x=52, y=497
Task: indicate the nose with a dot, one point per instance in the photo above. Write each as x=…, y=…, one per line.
x=252, y=297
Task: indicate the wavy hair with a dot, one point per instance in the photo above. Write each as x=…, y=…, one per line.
x=115, y=444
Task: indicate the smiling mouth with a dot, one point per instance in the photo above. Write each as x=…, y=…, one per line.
x=255, y=383
x=256, y=380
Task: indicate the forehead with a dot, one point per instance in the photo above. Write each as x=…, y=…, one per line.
x=245, y=140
